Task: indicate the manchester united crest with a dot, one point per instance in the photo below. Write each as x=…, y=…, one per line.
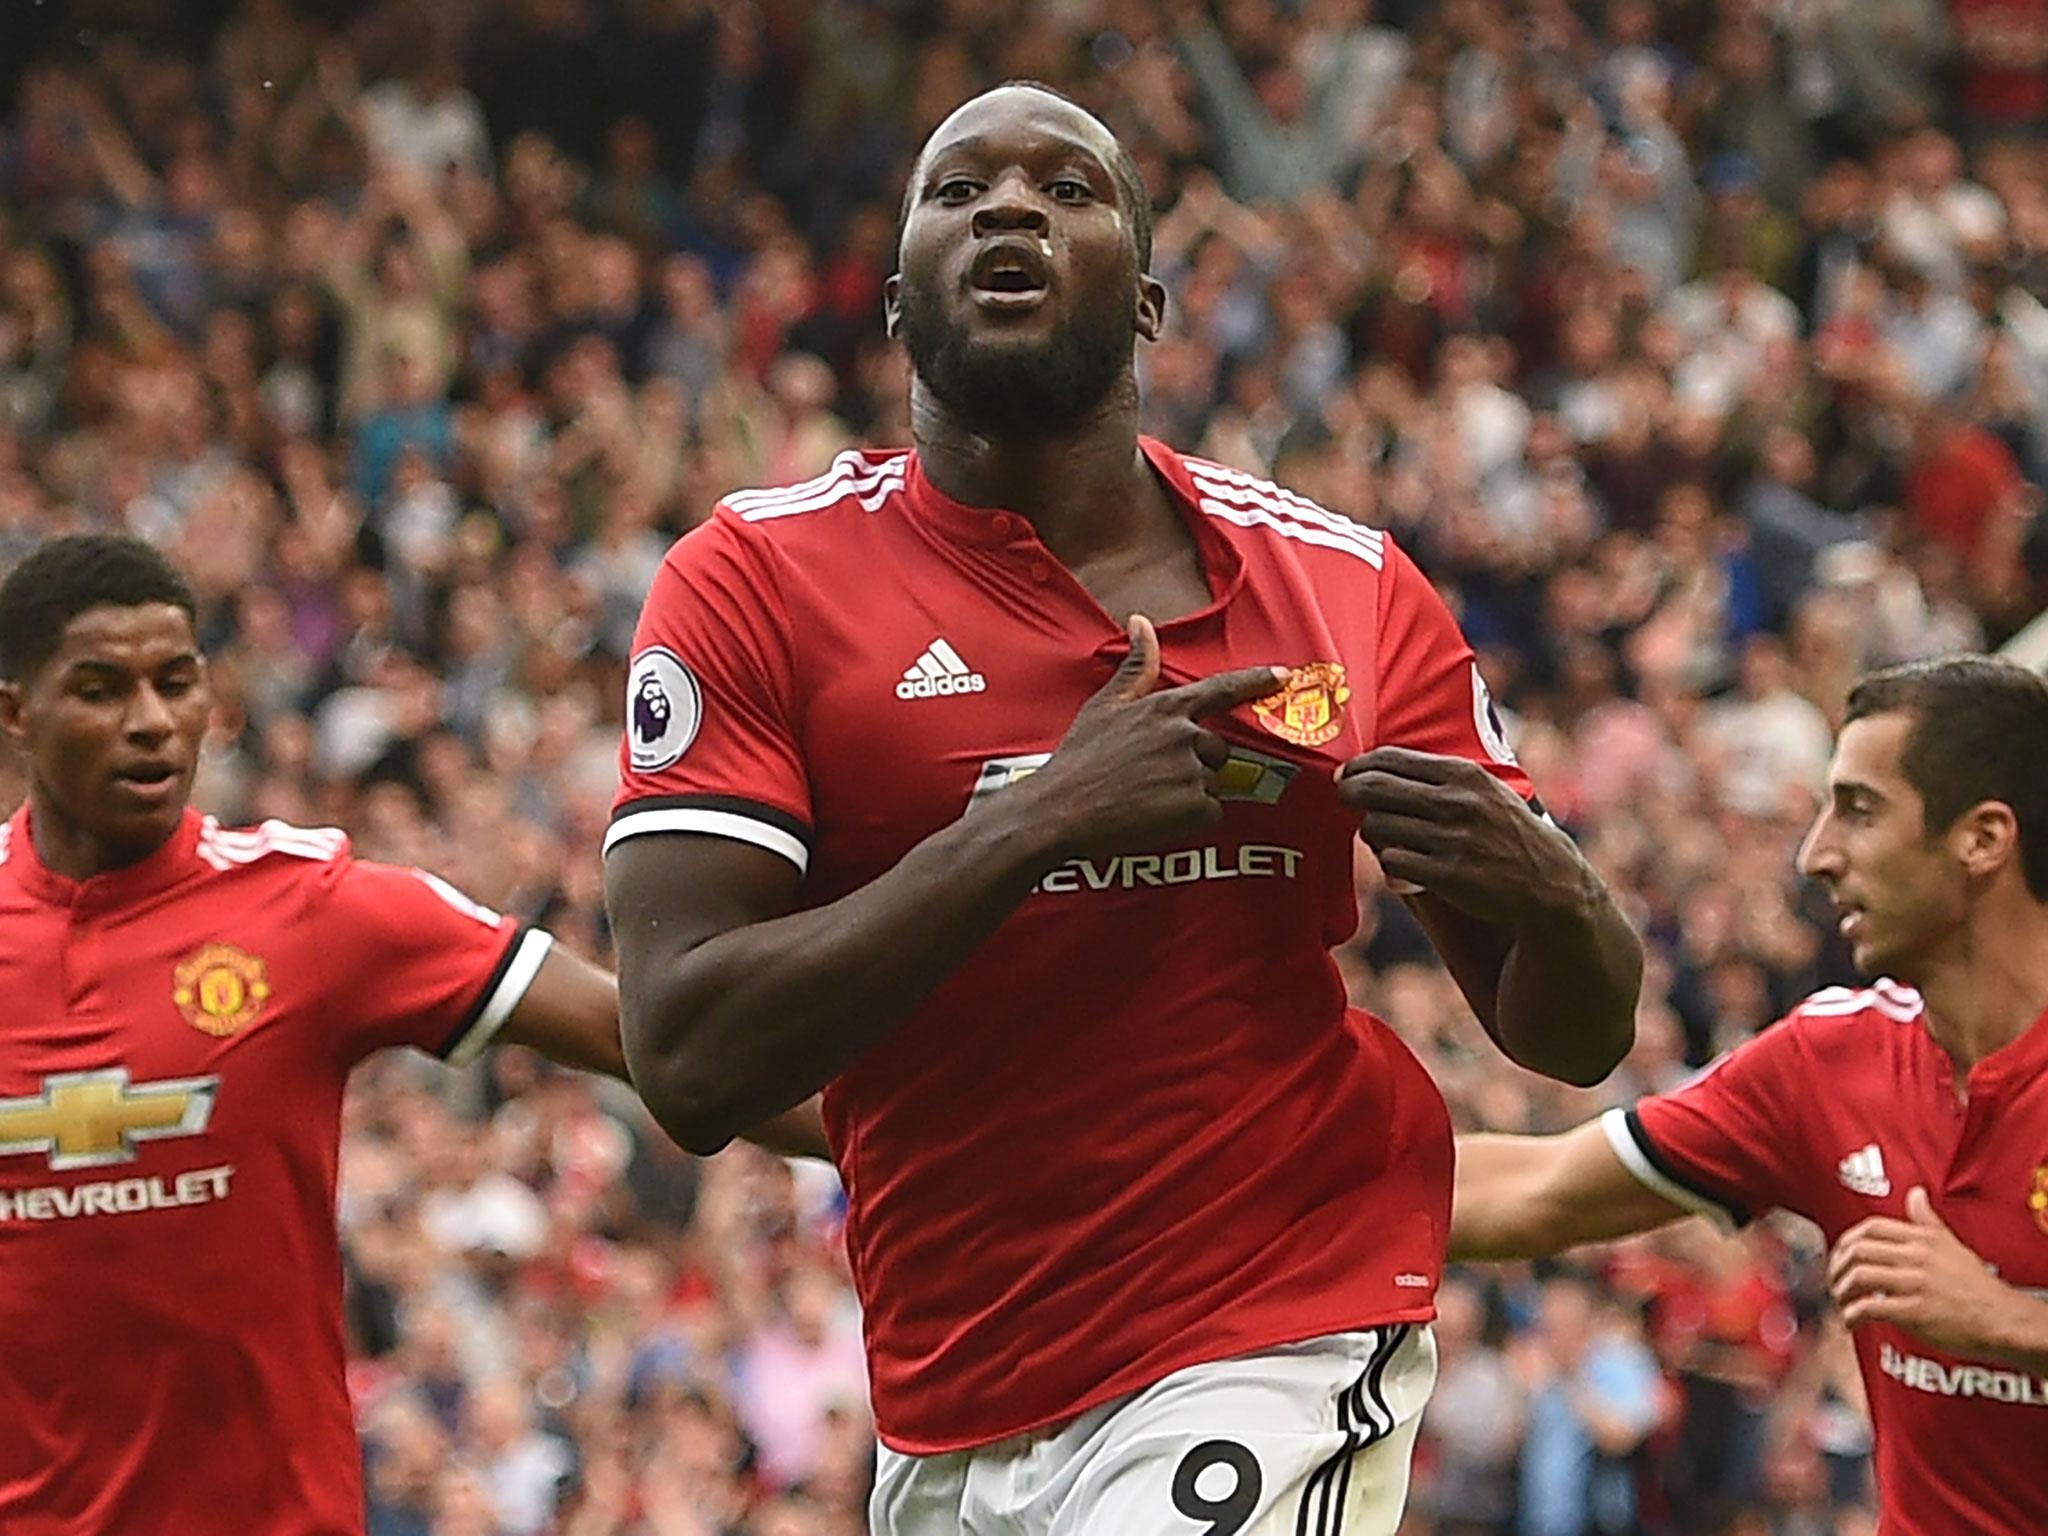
x=1308, y=709
x=220, y=990
x=2037, y=1198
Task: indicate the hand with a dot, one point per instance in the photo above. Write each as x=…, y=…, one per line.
x=1135, y=770
x=1917, y=1273
x=1449, y=826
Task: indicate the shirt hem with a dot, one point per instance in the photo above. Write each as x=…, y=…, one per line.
x=1135, y=1380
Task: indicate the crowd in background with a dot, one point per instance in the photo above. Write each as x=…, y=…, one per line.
x=1698, y=350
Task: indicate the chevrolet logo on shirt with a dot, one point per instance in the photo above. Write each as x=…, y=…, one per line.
x=92, y=1119
x=1248, y=775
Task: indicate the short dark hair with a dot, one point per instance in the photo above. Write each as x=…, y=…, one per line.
x=1979, y=732
x=63, y=577
x=1123, y=169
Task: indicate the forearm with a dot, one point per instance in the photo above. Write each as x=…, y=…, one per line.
x=1566, y=1004
x=752, y=1022
x=1528, y=1197
x=798, y=1132
x=2022, y=1340
x=1495, y=1215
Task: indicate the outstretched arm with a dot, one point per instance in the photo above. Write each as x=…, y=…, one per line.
x=1527, y=1197
x=570, y=1014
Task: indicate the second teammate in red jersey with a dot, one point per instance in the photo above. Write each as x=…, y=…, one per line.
x=1910, y=1125
x=182, y=1006
x=1009, y=786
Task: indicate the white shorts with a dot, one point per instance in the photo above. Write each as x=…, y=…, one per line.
x=1309, y=1439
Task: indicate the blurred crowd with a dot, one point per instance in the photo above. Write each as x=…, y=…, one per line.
x=1698, y=349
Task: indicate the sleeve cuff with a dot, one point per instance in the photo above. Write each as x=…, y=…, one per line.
x=1652, y=1169
x=714, y=816
x=520, y=963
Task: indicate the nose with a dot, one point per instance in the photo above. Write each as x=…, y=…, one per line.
x=1819, y=858
x=149, y=717
x=1011, y=203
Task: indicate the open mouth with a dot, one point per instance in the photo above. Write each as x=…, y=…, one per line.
x=1009, y=274
x=148, y=776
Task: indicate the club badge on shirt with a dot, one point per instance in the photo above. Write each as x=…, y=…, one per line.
x=2037, y=1201
x=1307, y=709
x=220, y=989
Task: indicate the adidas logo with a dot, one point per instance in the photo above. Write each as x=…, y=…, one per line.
x=939, y=671
x=1862, y=1173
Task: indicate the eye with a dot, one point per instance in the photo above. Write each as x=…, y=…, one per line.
x=1070, y=189
x=954, y=189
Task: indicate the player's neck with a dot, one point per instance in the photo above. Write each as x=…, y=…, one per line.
x=1987, y=988
x=1083, y=491
x=65, y=848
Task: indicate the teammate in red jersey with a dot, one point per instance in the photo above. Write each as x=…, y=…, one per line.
x=960, y=779
x=1912, y=1125
x=182, y=1006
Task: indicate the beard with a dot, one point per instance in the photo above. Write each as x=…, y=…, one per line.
x=1026, y=390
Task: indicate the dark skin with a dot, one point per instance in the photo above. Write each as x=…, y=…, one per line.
x=110, y=728
x=736, y=1004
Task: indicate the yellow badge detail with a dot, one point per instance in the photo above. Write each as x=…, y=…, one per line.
x=1308, y=709
x=2037, y=1201
x=90, y=1119
x=220, y=990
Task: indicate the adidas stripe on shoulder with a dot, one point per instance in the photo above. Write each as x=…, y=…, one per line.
x=226, y=848
x=1895, y=1001
x=1236, y=497
x=854, y=476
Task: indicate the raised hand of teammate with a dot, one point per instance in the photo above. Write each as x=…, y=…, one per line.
x=1448, y=826
x=1919, y=1275
x=1137, y=769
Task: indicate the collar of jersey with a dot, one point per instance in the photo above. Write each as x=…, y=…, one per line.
x=176, y=859
x=999, y=528
x=2020, y=1058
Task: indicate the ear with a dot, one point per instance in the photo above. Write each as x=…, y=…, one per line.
x=13, y=713
x=892, y=304
x=1986, y=838
x=1151, y=306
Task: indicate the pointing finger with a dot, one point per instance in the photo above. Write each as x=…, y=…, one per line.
x=1224, y=691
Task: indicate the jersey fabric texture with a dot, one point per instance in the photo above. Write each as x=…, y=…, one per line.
x=1836, y=1112
x=1140, y=1129
x=1309, y=1439
x=177, y=1034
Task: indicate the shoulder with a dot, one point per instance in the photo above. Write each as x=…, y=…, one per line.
x=1845, y=1015
x=276, y=847
x=860, y=480
x=755, y=536
x=1835, y=1029
x=1285, y=521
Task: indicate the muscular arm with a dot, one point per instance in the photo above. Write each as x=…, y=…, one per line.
x=1528, y=929
x=570, y=1014
x=1554, y=986
x=736, y=1007
x=1526, y=1197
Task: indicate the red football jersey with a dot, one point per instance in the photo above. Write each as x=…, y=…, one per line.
x=1139, y=1129
x=1835, y=1113
x=177, y=1034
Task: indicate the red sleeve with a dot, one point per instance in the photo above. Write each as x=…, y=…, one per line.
x=1726, y=1143
x=1431, y=696
x=422, y=964
x=710, y=700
